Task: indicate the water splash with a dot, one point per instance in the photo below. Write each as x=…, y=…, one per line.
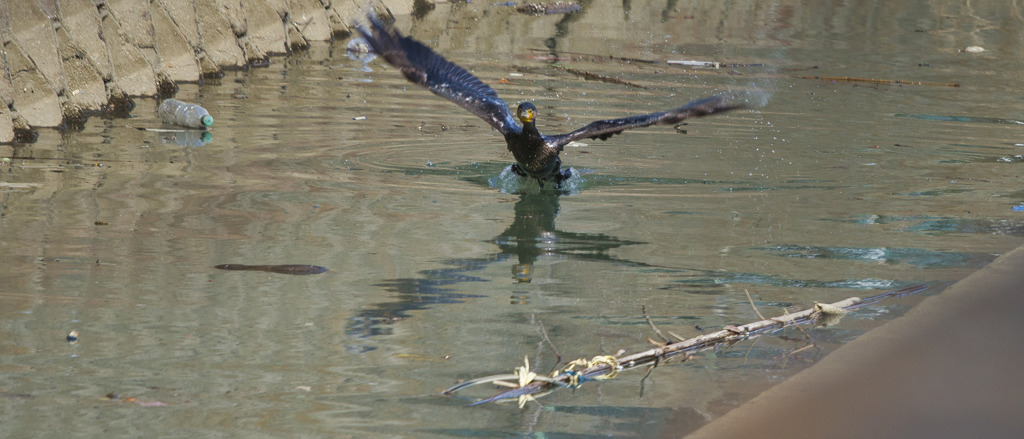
x=508, y=182
x=755, y=95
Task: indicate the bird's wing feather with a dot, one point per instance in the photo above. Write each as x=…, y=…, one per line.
x=425, y=67
x=603, y=129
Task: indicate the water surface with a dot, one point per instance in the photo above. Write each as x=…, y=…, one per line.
x=437, y=273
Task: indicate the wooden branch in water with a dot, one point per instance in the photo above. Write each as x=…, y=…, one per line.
x=878, y=81
x=578, y=56
x=583, y=74
x=282, y=269
x=607, y=367
x=730, y=334
x=596, y=77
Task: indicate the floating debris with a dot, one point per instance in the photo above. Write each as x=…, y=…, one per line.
x=113, y=396
x=72, y=337
x=971, y=119
x=281, y=269
x=359, y=50
x=358, y=45
x=529, y=385
x=706, y=64
x=596, y=77
x=549, y=8
x=879, y=81
x=582, y=56
x=709, y=64
x=175, y=112
x=973, y=49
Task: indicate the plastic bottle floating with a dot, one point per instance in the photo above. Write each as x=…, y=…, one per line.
x=175, y=112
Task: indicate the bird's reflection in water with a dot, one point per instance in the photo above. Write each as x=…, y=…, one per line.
x=531, y=236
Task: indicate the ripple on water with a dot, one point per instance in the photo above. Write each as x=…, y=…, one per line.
x=917, y=257
x=940, y=225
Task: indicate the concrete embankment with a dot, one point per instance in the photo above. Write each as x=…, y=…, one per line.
x=949, y=368
x=65, y=60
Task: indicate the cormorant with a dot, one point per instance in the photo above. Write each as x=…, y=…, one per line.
x=536, y=154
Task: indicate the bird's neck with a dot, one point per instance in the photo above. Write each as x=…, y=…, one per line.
x=530, y=130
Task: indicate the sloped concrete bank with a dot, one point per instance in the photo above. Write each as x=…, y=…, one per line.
x=64, y=60
x=949, y=368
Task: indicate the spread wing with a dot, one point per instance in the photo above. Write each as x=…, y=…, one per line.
x=603, y=129
x=425, y=67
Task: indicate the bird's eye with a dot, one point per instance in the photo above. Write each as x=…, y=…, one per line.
x=526, y=114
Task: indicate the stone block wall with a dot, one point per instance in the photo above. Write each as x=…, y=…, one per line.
x=64, y=60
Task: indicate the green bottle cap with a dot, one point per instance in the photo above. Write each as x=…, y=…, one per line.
x=207, y=121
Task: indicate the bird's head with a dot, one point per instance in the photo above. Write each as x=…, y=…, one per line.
x=526, y=113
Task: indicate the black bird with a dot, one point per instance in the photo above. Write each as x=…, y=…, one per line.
x=536, y=154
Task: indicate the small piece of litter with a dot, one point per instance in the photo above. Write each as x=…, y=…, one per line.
x=710, y=64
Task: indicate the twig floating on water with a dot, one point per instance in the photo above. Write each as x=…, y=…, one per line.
x=879, y=81
x=604, y=367
x=751, y=301
x=281, y=269
x=576, y=56
x=596, y=77
x=664, y=340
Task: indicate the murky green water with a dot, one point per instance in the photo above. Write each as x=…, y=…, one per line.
x=830, y=189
